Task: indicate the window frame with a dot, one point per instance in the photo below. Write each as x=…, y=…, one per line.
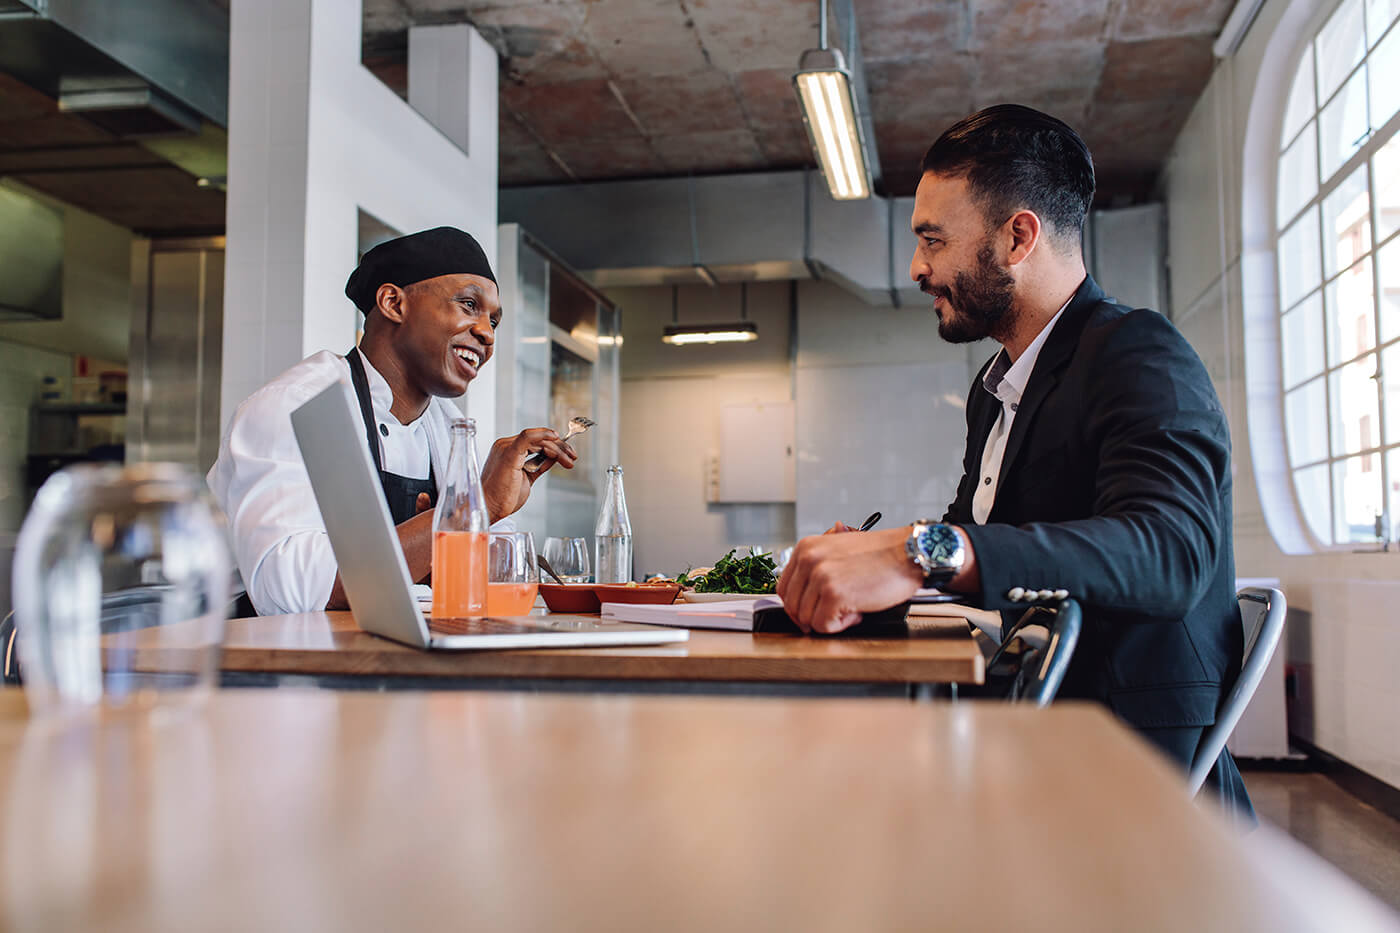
x=1385, y=449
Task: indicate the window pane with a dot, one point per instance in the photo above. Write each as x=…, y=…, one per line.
x=1355, y=410
x=1339, y=47
x=1346, y=223
x=1301, y=102
x=1305, y=423
x=1390, y=368
x=1379, y=15
x=1384, y=68
x=1351, y=314
x=1315, y=497
x=1297, y=175
x=1299, y=264
x=1356, y=488
x=1385, y=169
x=1302, y=341
x=1389, y=258
x=1393, y=465
x=1344, y=124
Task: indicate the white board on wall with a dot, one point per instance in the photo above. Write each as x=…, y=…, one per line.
x=756, y=462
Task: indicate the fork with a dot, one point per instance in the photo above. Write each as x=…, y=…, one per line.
x=577, y=425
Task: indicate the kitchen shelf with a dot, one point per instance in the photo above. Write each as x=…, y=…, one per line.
x=81, y=408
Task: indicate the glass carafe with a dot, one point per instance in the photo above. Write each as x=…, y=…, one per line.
x=460, y=526
x=613, y=534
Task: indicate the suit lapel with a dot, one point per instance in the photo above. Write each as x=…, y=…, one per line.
x=1054, y=356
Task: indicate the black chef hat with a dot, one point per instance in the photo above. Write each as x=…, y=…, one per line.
x=413, y=258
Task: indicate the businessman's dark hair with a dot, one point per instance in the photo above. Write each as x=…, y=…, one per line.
x=1017, y=158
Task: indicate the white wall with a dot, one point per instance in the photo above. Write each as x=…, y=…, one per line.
x=670, y=408
x=879, y=400
x=881, y=424
x=313, y=136
x=1342, y=640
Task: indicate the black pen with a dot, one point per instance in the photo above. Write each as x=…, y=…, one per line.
x=869, y=523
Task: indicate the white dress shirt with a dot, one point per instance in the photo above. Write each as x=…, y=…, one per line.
x=279, y=540
x=1007, y=381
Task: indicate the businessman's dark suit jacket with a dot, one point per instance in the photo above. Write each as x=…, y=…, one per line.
x=1115, y=486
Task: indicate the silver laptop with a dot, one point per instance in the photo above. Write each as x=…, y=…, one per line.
x=331, y=435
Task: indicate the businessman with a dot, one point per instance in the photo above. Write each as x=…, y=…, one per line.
x=1097, y=462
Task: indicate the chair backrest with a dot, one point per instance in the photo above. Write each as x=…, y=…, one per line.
x=9, y=659
x=1262, y=610
x=1043, y=670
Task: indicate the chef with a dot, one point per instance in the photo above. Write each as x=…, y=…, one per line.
x=431, y=311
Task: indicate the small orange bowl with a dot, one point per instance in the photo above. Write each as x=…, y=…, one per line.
x=661, y=593
x=570, y=597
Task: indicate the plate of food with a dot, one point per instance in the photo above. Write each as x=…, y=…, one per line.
x=691, y=596
x=730, y=578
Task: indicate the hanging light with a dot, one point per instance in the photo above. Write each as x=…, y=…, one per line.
x=823, y=84
x=740, y=331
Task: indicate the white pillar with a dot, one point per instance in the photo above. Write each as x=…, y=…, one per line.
x=439, y=79
x=314, y=136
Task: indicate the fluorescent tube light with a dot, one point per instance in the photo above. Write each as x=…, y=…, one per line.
x=681, y=334
x=828, y=108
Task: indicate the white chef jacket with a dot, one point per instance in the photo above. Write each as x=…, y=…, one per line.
x=1007, y=381
x=279, y=540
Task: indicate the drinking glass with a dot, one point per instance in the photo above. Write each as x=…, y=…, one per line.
x=568, y=557
x=121, y=587
x=512, y=575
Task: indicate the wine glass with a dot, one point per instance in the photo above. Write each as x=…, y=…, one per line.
x=568, y=557
x=512, y=575
x=121, y=586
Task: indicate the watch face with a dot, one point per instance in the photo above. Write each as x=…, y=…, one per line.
x=940, y=545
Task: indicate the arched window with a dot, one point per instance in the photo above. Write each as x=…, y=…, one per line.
x=1337, y=212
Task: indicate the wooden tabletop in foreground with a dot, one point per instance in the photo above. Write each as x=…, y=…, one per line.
x=330, y=643
x=354, y=811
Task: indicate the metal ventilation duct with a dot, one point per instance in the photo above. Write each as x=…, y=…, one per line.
x=177, y=49
x=126, y=107
x=732, y=228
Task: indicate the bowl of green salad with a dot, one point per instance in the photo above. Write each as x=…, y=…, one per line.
x=730, y=578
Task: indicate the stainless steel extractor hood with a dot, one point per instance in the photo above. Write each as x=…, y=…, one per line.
x=31, y=257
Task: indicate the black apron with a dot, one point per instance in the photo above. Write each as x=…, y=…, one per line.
x=399, y=491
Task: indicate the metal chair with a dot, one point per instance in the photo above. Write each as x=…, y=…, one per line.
x=1042, y=669
x=1263, y=610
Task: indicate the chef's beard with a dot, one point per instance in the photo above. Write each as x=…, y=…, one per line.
x=979, y=302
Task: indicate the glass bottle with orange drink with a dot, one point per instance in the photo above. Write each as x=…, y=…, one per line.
x=459, y=532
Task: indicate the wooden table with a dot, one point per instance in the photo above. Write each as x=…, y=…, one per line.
x=355, y=811
x=331, y=645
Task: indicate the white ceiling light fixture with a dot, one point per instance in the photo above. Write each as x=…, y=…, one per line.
x=741, y=331
x=823, y=84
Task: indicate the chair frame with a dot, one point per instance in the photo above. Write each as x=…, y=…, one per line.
x=1040, y=685
x=1261, y=640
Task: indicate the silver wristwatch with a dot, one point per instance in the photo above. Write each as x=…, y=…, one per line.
x=936, y=549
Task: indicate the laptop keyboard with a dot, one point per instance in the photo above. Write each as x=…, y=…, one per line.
x=483, y=627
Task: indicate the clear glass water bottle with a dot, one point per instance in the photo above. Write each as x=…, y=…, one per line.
x=460, y=526
x=612, y=537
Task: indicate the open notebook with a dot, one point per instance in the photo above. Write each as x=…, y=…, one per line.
x=766, y=614
x=763, y=614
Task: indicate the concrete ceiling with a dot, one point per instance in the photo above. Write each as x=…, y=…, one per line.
x=595, y=89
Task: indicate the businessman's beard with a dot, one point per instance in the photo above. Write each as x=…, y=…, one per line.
x=979, y=302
